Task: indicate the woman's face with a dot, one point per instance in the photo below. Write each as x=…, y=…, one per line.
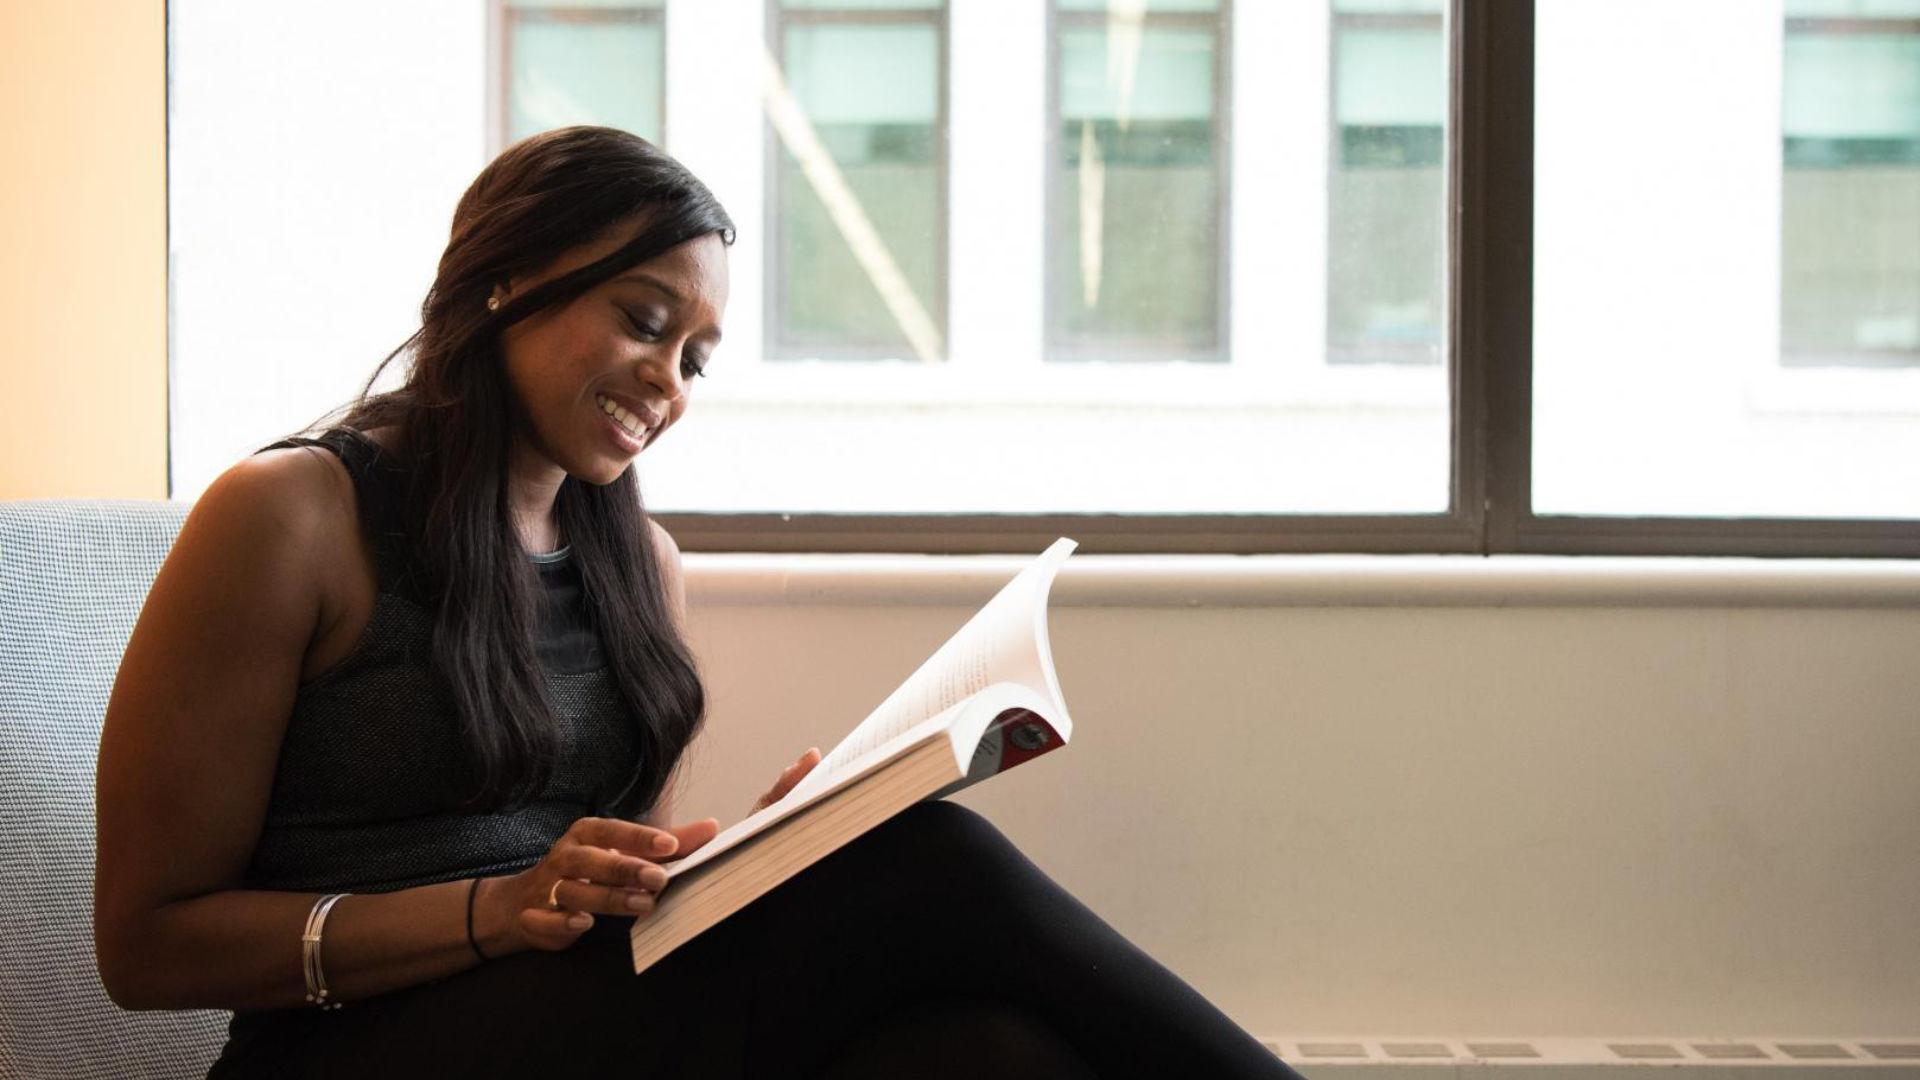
x=635, y=342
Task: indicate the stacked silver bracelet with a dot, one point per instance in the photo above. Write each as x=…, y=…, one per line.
x=310, y=950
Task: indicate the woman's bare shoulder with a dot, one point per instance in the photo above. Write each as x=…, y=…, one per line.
x=305, y=496
x=304, y=479
x=297, y=486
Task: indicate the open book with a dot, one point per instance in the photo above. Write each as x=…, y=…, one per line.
x=985, y=701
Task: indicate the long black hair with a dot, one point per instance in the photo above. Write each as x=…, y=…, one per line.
x=543, y=196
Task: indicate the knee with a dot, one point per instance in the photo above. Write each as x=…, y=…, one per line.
x=939, y=832
x=943, y=823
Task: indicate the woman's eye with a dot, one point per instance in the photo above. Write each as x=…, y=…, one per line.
x=646, y=330
x=694, y=365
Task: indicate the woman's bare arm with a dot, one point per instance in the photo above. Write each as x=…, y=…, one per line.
x=187, y=758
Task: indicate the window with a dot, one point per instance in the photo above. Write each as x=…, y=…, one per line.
x=856, y=220
x=1135, y=262
x=1169, y=275
x=1850, y=203
x=583, y=62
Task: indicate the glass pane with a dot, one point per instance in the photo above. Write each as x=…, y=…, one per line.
x=1387, y=192
x=1727, y=296
x=599, y=69
x=858, y=270
x=1134, y=260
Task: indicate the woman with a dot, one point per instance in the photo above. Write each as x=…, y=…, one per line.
x=397, y=726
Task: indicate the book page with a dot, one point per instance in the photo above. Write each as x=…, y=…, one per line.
x=1005, y=641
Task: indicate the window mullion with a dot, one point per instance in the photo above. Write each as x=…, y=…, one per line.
x=997, y=139
x=1278, y=244
x=1493, y=268
x=716, y=127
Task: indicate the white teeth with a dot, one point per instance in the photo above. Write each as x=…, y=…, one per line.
x=627, y=419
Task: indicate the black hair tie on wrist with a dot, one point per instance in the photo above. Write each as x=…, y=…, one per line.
x=471, y=890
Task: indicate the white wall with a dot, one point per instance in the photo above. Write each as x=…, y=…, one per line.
x=1463, y=801
x=316, y=154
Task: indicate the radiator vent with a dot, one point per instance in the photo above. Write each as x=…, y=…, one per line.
x=1644, y=1051
x=1728, y=1051
x=1502, y=1050
x=1666, y=1055
x=1417, y=1050
x=1326, y=1049
x=1814, y=1051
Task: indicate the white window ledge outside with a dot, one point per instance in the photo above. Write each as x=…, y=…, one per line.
x=1178, y=581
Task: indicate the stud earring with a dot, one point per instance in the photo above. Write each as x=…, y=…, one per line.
x=493, y=303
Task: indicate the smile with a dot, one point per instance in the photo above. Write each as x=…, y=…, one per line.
x=633, y=424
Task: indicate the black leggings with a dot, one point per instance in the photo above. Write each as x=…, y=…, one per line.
x=930, y=947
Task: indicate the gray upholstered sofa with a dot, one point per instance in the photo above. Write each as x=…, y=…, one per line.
x=73, y=575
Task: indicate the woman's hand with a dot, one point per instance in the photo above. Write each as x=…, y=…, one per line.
x=603, y=866
x=784, y=783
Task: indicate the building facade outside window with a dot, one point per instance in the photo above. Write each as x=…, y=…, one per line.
x=1387, y=187
x=580, y=61
x=1136, y=266
x=857, y=172
x=1850, y=204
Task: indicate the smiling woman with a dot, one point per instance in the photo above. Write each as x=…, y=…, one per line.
x=626, y=350
x=397, y=725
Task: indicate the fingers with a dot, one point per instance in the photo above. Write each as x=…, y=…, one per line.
x=602, y=866
x=605, y=882
x=606, y=867
x=628, y=836
x=593, y=881
x=552, y=930
x=580, y=897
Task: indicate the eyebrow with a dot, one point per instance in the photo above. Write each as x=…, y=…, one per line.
x=643, y=277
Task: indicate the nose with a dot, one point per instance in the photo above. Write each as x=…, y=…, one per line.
x=661, y=368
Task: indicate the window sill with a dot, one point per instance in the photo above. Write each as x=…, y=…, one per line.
x=1179, y=581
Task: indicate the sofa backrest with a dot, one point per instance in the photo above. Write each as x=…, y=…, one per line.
x=73, y=577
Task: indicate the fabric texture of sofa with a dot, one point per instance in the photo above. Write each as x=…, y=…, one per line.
x=73, y=577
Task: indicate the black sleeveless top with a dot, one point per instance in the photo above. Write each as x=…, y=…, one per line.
x=366, y=788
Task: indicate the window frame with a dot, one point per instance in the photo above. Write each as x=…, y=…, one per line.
x=777, y=346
